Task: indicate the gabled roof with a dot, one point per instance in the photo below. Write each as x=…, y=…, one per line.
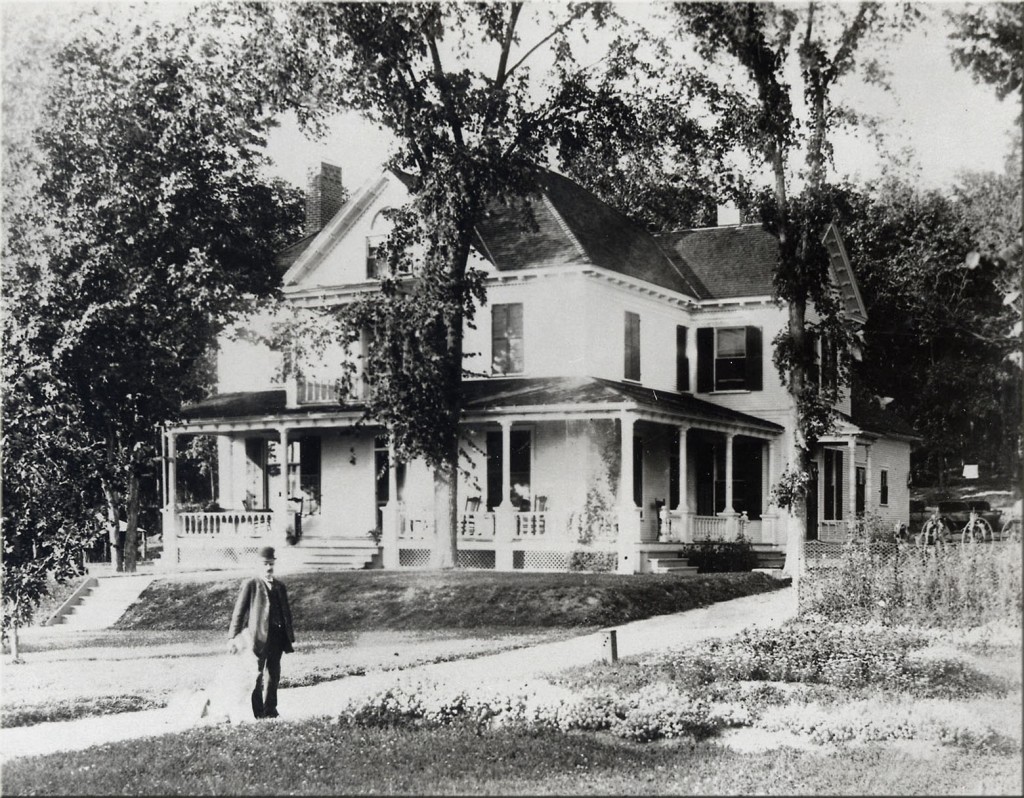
x=565, y=223
x=734, y=261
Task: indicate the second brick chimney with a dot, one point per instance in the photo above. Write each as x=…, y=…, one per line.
x=324, y=196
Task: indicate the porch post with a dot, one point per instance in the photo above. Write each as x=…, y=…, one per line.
x=505, y=513
x=629, y=517
x=685, y=533
x=729, y=439
x=851, y=482
x=768, y=514
x=392, y=513
x=867, y=479
x=282, y=509
x=170, y=510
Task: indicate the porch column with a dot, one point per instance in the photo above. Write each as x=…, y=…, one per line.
x=732, y=528
x=867, y=479
x=283, y=517
x=169, y=558
x=505, y=513
x=629, y=515
x=768, y=514
x=684, y=533
x=392, y=516
x=851, y=481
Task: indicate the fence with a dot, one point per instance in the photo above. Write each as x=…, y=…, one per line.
x=950, y=586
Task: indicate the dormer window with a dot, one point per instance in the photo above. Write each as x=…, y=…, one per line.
x=729, y=359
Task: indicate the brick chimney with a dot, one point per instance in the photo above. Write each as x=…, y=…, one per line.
x=324, y=196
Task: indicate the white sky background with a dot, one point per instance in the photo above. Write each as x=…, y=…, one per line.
x=946, y=121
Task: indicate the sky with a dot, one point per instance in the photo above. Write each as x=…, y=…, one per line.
x=947, y=121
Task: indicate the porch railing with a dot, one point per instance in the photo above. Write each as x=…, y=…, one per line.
x=311, y=392
x=243, y=522
x=531, y=525
x=477, y=526
x=709, y=527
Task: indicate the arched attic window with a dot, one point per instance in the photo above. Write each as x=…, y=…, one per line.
x=376, y=262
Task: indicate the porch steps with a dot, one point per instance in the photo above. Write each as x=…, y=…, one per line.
x=769, y=556
x=329, y=553
x=672, y=564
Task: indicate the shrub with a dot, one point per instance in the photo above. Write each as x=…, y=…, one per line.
x=721, y=556
x=594, y=561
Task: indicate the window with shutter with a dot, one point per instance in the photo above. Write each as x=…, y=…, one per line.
x=833, y=510
x=883, y=487
x=631, y=369
x=729, y=359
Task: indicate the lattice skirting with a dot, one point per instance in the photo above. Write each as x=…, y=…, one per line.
x=231, y=556
x=476, y=558
x=526, y=560
x=413, y=558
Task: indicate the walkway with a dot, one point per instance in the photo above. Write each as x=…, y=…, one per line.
x=510, y=667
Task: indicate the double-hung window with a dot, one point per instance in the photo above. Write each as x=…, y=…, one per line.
x=883, y=487
x=507, y=338
x=729, y=359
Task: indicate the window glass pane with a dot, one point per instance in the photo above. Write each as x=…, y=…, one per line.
x=731, y=342
x=730, y=373
x=515, y=355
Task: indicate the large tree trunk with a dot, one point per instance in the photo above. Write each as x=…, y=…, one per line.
x=446, y=512
x=114, y=534
x=131, y=534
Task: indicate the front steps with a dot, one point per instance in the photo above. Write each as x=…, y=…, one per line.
x=769, y=556
x=99, y=602
x=327, y=553
x=671, y=564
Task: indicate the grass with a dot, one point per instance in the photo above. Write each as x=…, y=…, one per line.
x=376, y=600
x=323, y=758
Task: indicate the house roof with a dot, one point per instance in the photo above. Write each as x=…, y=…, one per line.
x=730, y=261
x=284, y=258
x=565, y=223
x=500, y=394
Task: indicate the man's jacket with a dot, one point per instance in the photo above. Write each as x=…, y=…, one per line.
x=252, y=611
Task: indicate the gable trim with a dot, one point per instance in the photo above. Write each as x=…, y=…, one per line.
x=565, y=226
x=335, y=230
x=842, y=275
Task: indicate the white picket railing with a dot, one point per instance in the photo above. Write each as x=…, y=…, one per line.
x=477, y=526
x=531, y=525
x=709, y=527
x=241, y=522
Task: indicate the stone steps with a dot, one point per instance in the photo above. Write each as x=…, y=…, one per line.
x=673, y=564
x=100, y=602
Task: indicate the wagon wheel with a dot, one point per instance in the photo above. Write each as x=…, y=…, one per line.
x=935, y=530
x=1011, y=530
x=977, y=530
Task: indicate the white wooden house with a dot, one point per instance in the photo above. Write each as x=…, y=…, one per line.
x=630, y=405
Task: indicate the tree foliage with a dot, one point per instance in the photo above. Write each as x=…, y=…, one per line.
x=945, y=319
x=148, y=228
x=988, y=39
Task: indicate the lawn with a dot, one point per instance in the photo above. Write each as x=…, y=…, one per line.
x=811, y=708
x=324, y=758
x=347, y=623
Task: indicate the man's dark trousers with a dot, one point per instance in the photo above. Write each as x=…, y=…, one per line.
x=264, y=695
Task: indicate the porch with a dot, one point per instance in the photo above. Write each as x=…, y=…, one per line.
x=595, y=483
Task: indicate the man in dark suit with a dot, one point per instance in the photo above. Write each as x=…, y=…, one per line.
x=262, y=609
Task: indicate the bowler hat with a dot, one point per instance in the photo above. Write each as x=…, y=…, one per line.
x=267, y=553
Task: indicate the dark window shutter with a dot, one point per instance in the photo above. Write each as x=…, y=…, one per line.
x=830, y=486
x=705, y=359
x=755, y=381
x=631, y=369
x=839, y=486
x=682, y=362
